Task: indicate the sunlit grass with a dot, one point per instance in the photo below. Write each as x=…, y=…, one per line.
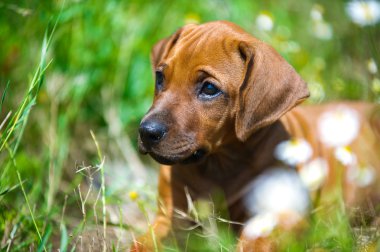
x=94, y=73
x=14, y=129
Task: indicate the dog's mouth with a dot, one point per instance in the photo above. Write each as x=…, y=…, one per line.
x=164, y=154
x=194, y=157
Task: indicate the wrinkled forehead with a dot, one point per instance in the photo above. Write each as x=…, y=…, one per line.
x=205, y=44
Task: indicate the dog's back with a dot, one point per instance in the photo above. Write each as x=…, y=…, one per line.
x=305, y=122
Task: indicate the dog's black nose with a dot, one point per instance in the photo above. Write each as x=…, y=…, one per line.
x=151, y=132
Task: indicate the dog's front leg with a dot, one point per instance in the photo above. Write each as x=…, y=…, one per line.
x=159, y=229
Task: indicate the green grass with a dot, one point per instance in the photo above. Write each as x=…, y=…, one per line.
x=75, y=80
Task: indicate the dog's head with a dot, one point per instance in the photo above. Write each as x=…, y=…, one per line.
x=214, y=83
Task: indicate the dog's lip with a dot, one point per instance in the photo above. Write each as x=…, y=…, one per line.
x=141, y=147
x=142, y=150
x=194, y=157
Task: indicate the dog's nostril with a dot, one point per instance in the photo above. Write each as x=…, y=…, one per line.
x=151, y=132
x=199, y=153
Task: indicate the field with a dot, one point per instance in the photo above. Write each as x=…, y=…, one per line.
x=75, y=80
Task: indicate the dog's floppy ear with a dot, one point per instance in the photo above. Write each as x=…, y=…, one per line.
x=162, y=48
x=271, y=87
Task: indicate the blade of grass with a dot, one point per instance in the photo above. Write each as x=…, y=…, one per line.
x=20, y=115
x=5, y=120
x=30, y=209
x=11, y=237
x=64, y=238
x=101, y=167
x=45, y=239
x=34, y=88
x=9, y=189
x=3, y=97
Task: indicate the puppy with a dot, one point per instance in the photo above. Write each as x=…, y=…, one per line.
x=223, y=102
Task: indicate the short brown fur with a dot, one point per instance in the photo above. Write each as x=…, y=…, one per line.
x=239, y=129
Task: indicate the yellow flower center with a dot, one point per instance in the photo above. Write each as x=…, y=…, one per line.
x=294, y=141
x=133, y=195
x=367, y=12
x=348, y=149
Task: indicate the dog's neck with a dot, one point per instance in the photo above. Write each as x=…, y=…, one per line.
x=232, y=166
x=227, y=163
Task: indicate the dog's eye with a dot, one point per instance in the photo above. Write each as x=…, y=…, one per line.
x=209, y=90
x=159, y=80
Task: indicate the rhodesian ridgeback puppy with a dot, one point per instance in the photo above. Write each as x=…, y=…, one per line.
x=223, y=101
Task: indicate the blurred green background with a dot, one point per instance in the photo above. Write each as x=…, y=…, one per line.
x=100, y=79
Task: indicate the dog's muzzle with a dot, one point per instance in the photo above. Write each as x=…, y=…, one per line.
x=152, y=134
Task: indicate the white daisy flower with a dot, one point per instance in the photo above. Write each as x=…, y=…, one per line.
x=371, y=66
x=314, y=173
x=364, y=13
x=293, y=151
x=338, y=127
x=277, y=191
x=316, y=12
x=361, y=176
x=264, y=22
x=322, y=30
x=260, y=226
x=345, y=156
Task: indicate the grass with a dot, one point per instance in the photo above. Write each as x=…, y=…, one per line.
x=103, y=191
x=62, y=187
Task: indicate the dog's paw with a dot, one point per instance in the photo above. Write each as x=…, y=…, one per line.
x=260, y=244
x=145, y=244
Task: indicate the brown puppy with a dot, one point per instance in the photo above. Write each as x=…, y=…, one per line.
x=223, y=101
